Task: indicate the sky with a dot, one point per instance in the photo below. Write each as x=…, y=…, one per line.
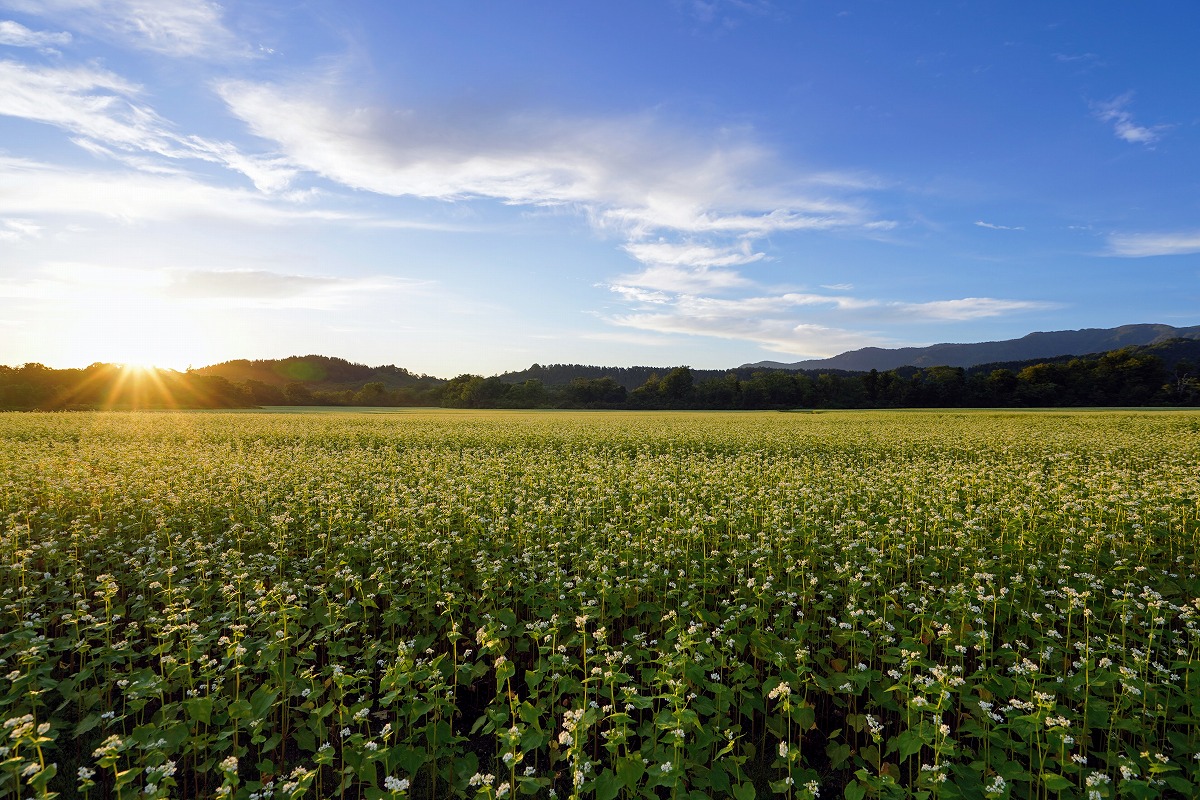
x=473, y=187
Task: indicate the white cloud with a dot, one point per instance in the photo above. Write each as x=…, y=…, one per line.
x=783, y=336
x=756, y=306
x=800, y=323
x=692, y=255
x=92, y=283
x=1155, y=244
x=266, y=289
x=728, y=14
x=1114, y=112
x=14, y=230
x=765, y=320
x=967, y=308
x=677, y=279
x=98, y=107
x=190, y=28
x=636, y=295
x=244, y=283
x=14, y=34
x=29, y=188
x=632, y=175
x=980, y=223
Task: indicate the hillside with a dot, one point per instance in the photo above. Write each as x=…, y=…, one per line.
x=1040, y=345
x=322, y=373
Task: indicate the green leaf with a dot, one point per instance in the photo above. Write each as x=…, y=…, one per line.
x=1181, y=785
x=855, y=791
x=630, y=770
x=608, y=785
x=240, y=709
x=261, y=702
x=528, y=714
x=744, y=791
x=1055, y=782
x=305, y=740
x=838, y=754
x=199, y=709
x=908, y=743
x=87, y=723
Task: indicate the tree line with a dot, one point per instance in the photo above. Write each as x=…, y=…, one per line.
x=1127, y=377
x=1118, y=378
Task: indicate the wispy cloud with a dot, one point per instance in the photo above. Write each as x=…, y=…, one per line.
x=32, y=189
x=777, y=335
x=244, y=283
x=632, y=174
x=100, y=109
x=1077, y=58
x=801, y=323
x=263, y=288
x=636, y=294
x=991, y=226
x=186, y=28
x=728, y=14
x=14, y=34
x=14, y=230
x=1155, y=244
x=683, y=280
x=89, y=283
x=968, y=308
x=693, y=255
x=1115, y=113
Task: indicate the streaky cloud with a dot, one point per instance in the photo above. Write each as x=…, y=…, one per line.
x=14, y=34
x=968, y=308
x=1115, y=113
x=684, y=279
x=98, y=107
x=632, y=174
x=777, y=335
x=1140, y=245
x=692, y=255
x=181, y=28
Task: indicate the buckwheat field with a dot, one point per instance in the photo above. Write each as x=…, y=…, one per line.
x=439, y=604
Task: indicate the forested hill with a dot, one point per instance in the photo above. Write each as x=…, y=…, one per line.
x=317, y=373
x=1040, y=345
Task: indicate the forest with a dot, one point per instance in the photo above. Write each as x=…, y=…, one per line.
x=1166, y=374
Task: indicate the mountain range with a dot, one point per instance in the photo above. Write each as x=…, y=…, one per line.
x=1031, y=346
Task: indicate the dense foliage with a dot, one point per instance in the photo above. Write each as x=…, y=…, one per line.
x=491, y=604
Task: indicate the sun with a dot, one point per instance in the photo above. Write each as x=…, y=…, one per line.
x=141, y=367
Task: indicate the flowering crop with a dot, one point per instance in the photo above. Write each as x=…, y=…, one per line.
x=437, y=604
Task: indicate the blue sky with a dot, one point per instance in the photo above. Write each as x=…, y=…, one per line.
x=476, y=186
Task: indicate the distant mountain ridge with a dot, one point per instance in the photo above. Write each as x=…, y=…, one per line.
x=1031, y=346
